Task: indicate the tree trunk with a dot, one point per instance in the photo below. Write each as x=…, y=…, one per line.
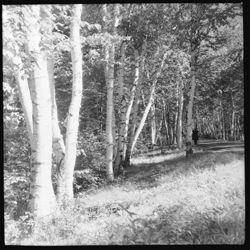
x=159, y=136
x=139, y=68
x=232, y=121
x=169, y=125
x=131, y=101
x=153, y=125
x=223, y=123
x=191, y=99
x=132, y=126
x=58, y=143
x=145, y=114
x=24, y=96
x=109, y=75
x=175, y=124
x=180, y=112
x=65, y=192
x=121, y=110
x=165, y=122
x=237, y=127
x=42, y=200
x=194, y=53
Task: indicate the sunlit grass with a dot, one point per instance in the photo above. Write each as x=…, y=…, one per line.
x=200, y=200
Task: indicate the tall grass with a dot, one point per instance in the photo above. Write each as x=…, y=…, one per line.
x=196, y=201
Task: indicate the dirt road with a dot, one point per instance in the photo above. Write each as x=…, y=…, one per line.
x=221, y=146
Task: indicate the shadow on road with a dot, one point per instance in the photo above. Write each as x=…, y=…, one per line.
x=145, y=175
x=221, y=145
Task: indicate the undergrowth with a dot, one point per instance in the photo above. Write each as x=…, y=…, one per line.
x=200, y=200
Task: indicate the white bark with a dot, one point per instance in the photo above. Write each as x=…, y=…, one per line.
x=58, y=143
x=73, y=113
x=109, y=75
x=122, y=109
x=233, y=119
x=151, y=100
x=132, y=97
x=153, y=125
x=191, y=99
x=180, y=112
x=42, y=200
x=165, y=121
x=24, y=96
x=139, y=68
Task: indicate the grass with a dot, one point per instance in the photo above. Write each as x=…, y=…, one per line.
x=200, y=200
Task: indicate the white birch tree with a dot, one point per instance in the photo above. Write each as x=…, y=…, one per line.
x=65, y=183
x=42, y=201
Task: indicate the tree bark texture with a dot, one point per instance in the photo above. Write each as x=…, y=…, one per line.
x=58, y=143
x=24, y=95
x=145, y=113
x=42, y=200
x=109, y=75
x=191, y=99
x=180, y=112
x=121, y=109
x=65, y=189
x=131, y=101
x=153, y=125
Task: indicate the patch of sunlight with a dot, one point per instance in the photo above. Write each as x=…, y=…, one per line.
x=114, y=195
x=156, y=159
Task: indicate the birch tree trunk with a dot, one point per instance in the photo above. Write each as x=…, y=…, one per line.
x=131, y=101
x=24, y=96
x=237, y=136
x=159, y=136
x=222, y=122
x=65, y=192
x=169, y=126
x=23, y=93
x=134, y=113
x=180, y=112
x=139, y=68
x=42, y=200
x=194, y=42
x=58, y=143
x=133, y=124
x=191, y=99
x=145, y=113
x=165, y=121
x=109, y=75
x=121, y=110
x=153, y=125
x=232, y=120
x=175, y=123
x=114, y=132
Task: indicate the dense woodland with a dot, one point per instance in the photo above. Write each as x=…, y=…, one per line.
x=88, y=87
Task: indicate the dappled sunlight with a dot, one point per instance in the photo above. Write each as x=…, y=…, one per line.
x=156, y=159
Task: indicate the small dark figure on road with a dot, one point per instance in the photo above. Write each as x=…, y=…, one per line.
x=195, y=136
